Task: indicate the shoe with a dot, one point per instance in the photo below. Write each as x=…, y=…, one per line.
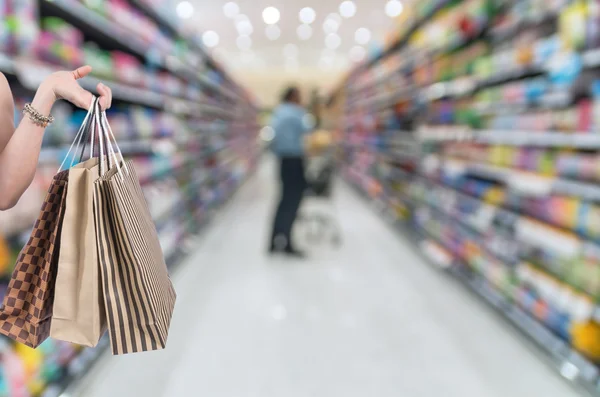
x=294, y=253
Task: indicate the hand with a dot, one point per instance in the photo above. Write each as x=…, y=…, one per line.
x=64, y=86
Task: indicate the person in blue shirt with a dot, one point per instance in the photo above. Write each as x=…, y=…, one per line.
x=289, y=123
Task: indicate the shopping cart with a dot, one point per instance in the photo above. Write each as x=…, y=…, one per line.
x=317, y=222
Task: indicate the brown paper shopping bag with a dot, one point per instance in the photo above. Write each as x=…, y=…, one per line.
x=138, y=294
x=79, y=315
x=139, y=297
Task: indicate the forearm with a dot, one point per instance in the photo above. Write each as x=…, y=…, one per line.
x=19, y=159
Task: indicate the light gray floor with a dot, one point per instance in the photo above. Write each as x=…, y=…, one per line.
x=371, y=319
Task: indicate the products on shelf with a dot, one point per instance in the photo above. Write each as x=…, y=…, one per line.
x=503, y=98
x=191, y=161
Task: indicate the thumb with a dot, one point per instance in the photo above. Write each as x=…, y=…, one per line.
x=81, y=72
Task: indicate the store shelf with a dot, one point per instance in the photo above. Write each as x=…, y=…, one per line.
x=468, y=85
x=416, y=25
x=163, y=21
x=522, y=223
x=574, y=140
x=535, y=184
x=527, y=183
x=31, y=74
x=99, y=26
x=106, y=31
x=500, y=219
x=565, y=360
x=525, y=23
x=219, y=112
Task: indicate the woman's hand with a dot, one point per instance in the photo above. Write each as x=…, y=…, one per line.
x=64, y=85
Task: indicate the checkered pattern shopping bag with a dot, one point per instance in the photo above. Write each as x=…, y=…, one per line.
x=26, y=313
x=138, y=294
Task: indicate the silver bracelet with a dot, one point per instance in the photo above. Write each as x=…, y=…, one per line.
x=36, y=117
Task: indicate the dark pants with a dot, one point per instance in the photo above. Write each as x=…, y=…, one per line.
x=293, y=186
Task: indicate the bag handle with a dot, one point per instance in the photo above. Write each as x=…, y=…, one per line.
x=106, y=126
x=89, y=137
x=80, y=134
x=106, y=145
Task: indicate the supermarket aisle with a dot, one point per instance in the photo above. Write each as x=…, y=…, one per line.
x=369, y=320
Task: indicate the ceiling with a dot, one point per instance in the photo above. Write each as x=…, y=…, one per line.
x=268, y=65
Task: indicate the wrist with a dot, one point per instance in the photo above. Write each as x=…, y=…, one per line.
x=44, y=99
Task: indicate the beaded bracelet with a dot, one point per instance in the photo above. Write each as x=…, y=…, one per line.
x=36, y=117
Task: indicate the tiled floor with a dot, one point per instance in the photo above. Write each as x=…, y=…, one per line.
x=368, y=320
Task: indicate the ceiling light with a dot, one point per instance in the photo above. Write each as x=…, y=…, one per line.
x=333, y=41
x=267, y=133
x=210, y=38
x=362, y=36
x=271, y=15
x=332, y=23
x=358, y=53
x=244, y=43
x=290, y=51
x=244, y=26
x=393, y=8
x=348, y=9
x=273, y=32
x=185, y=10
x=304, y=32
x=307, y=15
x=231, y=9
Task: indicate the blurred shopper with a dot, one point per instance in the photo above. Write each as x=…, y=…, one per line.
x=289, y=123
x=20, y=147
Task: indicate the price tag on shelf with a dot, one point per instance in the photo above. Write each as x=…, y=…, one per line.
x=529, y=184
x=591, y=58
x=588, y=371
x=436, y=254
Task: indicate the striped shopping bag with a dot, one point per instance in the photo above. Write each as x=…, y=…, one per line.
x=138, y=293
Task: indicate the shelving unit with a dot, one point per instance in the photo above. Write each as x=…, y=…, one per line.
x=477, y=131
x=190, y=130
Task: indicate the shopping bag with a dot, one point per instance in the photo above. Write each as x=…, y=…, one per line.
x=138, y=294
x=26, y=312
x=79, y=314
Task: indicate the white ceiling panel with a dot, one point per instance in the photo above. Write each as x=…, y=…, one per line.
x=255, y=54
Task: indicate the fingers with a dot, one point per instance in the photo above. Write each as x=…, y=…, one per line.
x=83, y=99
x=81, y=72
x=105, y=96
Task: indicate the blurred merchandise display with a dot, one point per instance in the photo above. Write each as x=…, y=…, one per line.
x=479, y=128
x=191, y=131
